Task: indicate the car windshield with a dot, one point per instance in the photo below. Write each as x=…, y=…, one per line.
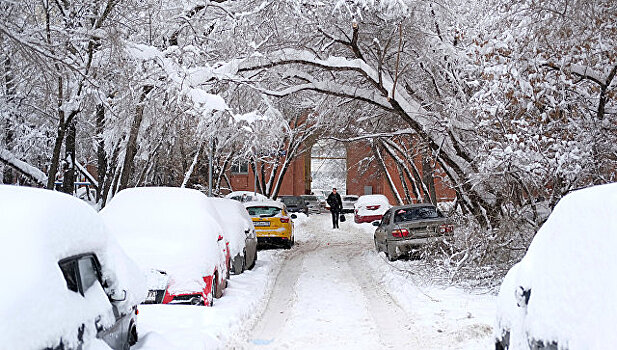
x=263, y=212
x=411, y=214
x=310, y=198
x=350, y=199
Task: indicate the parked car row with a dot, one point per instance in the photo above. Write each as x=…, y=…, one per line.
x=148, y=245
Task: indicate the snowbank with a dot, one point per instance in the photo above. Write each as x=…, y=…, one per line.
x=38, y=228
x=168, y=229
x=571, y=270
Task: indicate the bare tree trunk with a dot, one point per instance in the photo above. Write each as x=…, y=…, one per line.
x=131, y=147
x=390, y=148
x=401, y=175
x=68, y=184
x=223, y=170
x=262, y=176
x=100, y=150
x=384, y=168
x=427, y=177
x=187, y=175
x=7, y=173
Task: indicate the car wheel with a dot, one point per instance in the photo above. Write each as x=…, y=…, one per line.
x=214, y=289
x=228, y=273
x=254, y=260
x=243, y=262
x=391, y=256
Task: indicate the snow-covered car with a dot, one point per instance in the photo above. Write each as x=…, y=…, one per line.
x=370, y=207
x=348, y=203
x=173, y=236
x=240, y=232
x=313, y=203
x=295, y=204
x=273, y=223
x=246, y=196
x=406, y=228
x=66, y=283
x=561, y=295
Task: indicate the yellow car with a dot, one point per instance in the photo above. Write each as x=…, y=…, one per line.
x=273, y=223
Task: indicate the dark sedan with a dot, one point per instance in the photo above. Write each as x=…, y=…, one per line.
x=295, y=204
x=406, y=228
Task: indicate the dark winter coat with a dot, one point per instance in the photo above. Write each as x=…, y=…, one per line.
x=335, y=202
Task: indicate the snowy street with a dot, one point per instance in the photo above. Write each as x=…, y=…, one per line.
x=331, y=290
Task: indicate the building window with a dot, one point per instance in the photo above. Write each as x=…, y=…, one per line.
x=240, y=168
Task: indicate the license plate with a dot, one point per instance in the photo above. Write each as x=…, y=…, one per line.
x=261, y=223
x=151, y=295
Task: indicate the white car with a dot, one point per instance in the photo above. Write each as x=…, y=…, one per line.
x=66, y=283
x=561, y=295
x=173, y=236
x=371, y=207
x=240, y=232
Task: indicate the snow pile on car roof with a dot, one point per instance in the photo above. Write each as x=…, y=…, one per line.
x=370, y=200
x=38, y=228
x=265, y=203
x=168, y=229
x=571, y=270
x=235, y=221
x=246, y=196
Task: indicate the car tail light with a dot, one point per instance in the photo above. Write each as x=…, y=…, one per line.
x=284, y=220
x=373, y=207
x=446, y=228
x=136, y=311
x=400, y=233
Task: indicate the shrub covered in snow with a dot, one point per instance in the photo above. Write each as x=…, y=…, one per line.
x=38, y=229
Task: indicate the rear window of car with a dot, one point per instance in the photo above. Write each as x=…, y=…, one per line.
x=350, y=199
x=310, y=198
x=411, y=214
x=263, y=212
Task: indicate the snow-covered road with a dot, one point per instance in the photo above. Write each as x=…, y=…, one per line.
x=330, y=291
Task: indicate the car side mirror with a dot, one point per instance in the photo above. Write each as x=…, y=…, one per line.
x=294, y=216
x=376, y=223
x=220, y=237
x=117, y=295
x=522, y=296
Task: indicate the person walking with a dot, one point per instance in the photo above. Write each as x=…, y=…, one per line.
x=336, y=206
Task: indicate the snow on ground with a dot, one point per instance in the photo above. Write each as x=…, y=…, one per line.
x=330, y=291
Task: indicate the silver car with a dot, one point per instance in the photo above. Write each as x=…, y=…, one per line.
x=314, y=206
x=404, y=229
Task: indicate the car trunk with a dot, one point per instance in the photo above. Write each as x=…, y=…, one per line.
x=420, y=228
x=267, y=223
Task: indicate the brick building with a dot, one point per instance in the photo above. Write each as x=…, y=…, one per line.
x=362, y=177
